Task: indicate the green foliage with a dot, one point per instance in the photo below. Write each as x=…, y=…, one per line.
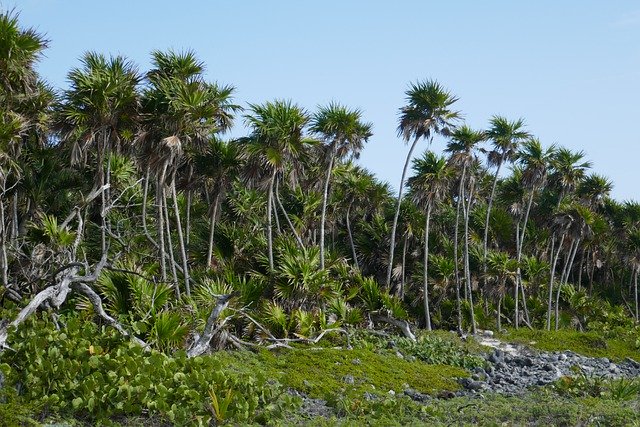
x=91, y=373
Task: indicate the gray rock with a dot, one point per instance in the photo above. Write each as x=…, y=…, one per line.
x=348, y=379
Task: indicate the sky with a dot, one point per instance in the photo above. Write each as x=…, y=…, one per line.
x=570, y=68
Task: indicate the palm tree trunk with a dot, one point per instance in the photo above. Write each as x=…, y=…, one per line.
x=635, y=291
x=467, y=269
x=325, y=197
x=145, y=199
x=457, y=268
x=520, y=244
x=212, y=229
x=4, y=262
x=486, y=220
x=160, y=202
x=427, y=312
x=553, y=272
x=286, y=216
x=14, y=219
x=353, y=246
x=404, y=264
x=269, y=221
x=499, y=314
x=183, y=249
x=165, y=213
x=397, y=214
x=565, y=274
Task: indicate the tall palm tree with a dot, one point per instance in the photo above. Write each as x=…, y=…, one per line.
x=182, y=112
x=428, y=112
x=534, y=160
x=462, y=147
x=275, y=143
x=99, y=114
x=569, y=168
x=506, y=136
x=429, y=186
x=344, y=133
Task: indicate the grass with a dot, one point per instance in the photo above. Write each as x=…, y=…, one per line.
x=331, y=374
x=589, y=344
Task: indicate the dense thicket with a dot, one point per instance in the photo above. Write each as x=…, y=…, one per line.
x=121, y=196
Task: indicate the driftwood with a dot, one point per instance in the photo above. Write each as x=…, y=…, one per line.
x=403, y=325
x=201, y=344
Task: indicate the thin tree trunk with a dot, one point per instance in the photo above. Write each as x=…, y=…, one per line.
x=488, y=217
x=275, y=214
x=457, y=268
x=499, y=314
x=286, y=216
x=212, y=229
x=404, y=259
x=520, y=244
x=553, y=272
x=427, y=312
x=183, y=249
x=160, y=202
x=397, y=214
x=3, y=246
x=572, y=255
x=269, y=222
x=14, y=220
x=145, y=199
x=467, y=269
x=167, y=222
x=325, y=197
x=635, y=291
x=353, y=246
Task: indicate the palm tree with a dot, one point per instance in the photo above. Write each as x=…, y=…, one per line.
x=182, y=112
x=428, y=112
x=276, y=141
x=99, y=113
x=535, y=163
x=429, y=186
x=345, y=134
x=569, y=168
x=462, y=148
x=217, y=169
x=506, y=137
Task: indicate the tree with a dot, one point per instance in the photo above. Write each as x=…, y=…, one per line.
x=501, y=268
x=428, y=112
x=461, y=147
x=344, y=134
x=99, y=114
x=506, y=136
x=429, y=186
x=276, y=141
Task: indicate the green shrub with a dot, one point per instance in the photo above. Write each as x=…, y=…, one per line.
x=89, y=372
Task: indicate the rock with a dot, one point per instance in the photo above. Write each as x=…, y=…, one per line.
x=416, y=395
x=348, y=379
x=631, y=362
x=391, y=344
x=356, y=361
x=369, y=396
x=398, y=354
x=391, y=393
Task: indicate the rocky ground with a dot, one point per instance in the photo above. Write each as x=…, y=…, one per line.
x=513, y=369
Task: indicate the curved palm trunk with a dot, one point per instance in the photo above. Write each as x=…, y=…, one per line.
x=183, y=249
x=212, y=229
x=554, y=262
x=353, y=246
x=325, y=197
x=499, y=314
x=270, y=222
x=427, y=312
x=400, y=292
x=286, y=216
x=397, y=214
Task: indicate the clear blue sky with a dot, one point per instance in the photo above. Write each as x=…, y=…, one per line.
x=570, y=68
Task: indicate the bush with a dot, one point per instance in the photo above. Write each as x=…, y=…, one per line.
x=89, y=372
